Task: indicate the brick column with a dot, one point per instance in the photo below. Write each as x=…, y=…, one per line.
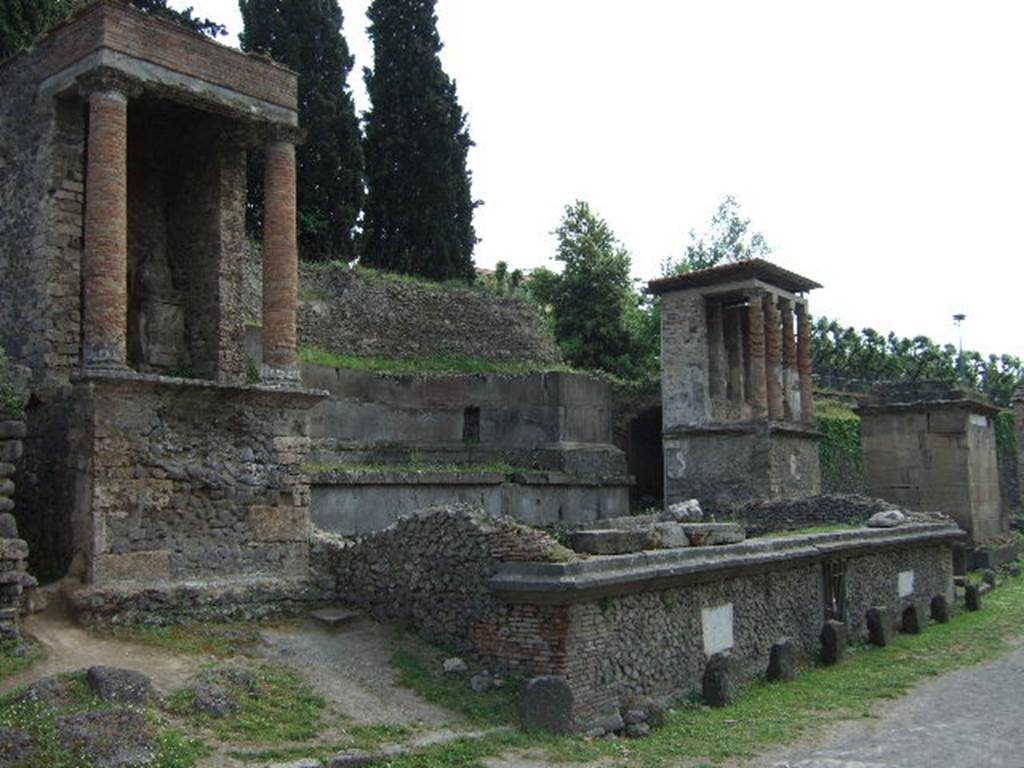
x=105, y=255
x=757, y=381
x=790, y=377
x=773, y=357
x=803, y=363
x=280, y=266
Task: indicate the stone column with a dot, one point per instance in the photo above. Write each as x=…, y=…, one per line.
x=105, y=254
x=280, y=266
x=757, y=382
x=790, y=377
x=803, y=363
x=717, y=376
x=773, y=357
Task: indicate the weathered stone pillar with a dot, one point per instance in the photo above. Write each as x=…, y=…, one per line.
x=717, y=374
x=280, y=266
x=773, y=358
x=757, y=382
x=803, y=362
x=105, y=255
x=734, y=351
x=790, y=377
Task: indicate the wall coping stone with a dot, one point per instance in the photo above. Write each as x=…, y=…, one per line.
x=968, y=405
x=260, y=393
x=745, y=428
x=357, y=476
x=590, y=579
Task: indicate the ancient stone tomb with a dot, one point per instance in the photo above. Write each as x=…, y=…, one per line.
x=124, y=141
x=737, y=403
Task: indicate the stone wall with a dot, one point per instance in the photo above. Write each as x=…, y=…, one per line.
x=354, y=312
x=936, y=455
x=776, y=515
x=642, y=624
x=180, y=481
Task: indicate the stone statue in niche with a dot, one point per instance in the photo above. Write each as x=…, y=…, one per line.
x=158, y=316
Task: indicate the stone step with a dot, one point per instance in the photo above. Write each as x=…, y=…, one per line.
x=335, y=617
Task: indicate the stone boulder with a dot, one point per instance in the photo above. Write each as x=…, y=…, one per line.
x=110, y=738
x=887, y=519
x=688, y=511
x=15, y=747
x=124, y=686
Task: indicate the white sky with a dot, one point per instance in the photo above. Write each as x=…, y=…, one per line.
x=879, y=146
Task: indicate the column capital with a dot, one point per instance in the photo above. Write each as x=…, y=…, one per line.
x=284, y=134
x=108, y=80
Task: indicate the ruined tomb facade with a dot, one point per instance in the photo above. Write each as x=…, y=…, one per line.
x=737, y=403
x=931, y=447
x=148, y=454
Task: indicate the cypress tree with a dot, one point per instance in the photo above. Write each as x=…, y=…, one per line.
x=306, y=35
x=419, y=206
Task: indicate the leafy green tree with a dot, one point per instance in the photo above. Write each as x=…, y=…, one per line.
x=728, y=239
x=597, y=313
x=306, y=35
x=21, y=21
x=419, y=205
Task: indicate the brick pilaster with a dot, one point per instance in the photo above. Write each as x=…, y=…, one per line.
x=803, y=362
x=280, y=266
x=757, y=392
x=790, y=377
x=105, y=256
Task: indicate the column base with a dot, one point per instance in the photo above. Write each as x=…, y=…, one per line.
x=102, y=359
x=284, y=378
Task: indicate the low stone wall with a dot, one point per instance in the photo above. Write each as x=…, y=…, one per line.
x=775, y=515
x=14, y=580
x=355, y=502
x=632, y=625
x=432, y=569
x=181, y=482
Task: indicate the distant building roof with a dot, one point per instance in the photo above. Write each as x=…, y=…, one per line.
x=752, y=269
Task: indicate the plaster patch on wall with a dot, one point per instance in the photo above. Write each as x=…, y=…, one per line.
x=716, y=624
x=905, y=583
x=979, y=420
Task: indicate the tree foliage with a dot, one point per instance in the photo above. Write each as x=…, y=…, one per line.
x=419, y=205
x=848, y=358
x=728, y=239
x=306, y=35
x=22, y=21
x=597, y=315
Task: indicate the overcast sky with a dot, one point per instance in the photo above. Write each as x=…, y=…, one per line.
x=879, y=146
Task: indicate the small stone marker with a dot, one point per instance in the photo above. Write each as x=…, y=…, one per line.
x=546, y=704
x=782, y=661
x=880, y=626
x=940, y=609
x=720, y=684
x=833, y=641
x=972, y=597
x=911, y=623
x=455, y=666
x=334, y=617
x=989, y=577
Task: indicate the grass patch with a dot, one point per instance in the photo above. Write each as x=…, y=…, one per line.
x=201, y=638
x=419, y=668
x=365, y=737
x=277, y=705
x=431, y=364
x=830, y=528
x=767, y=714
x=18, y=655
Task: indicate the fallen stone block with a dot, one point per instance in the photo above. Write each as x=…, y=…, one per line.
x=720, y=685
x=782, y=661
x=881, y=629
x=547, y=704
x=684, y=512
x=834, y=636
x=888, y=519
x=125, y=686
x=939, y=609
x=714, y=534
x=609, y=541
x=667, y=536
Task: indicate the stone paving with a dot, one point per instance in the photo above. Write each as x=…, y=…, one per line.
x=968, y=718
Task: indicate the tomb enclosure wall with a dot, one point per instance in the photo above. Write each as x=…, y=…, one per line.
x=14, y=577
x=629, y=625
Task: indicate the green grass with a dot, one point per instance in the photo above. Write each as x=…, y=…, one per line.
x=431, y=364
x=830, y=528
x=766, y=714
x=419, y=668
x=279, y=707
x=201, y=638
x=364, y=737
x=419, y=467
x=18, y=655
